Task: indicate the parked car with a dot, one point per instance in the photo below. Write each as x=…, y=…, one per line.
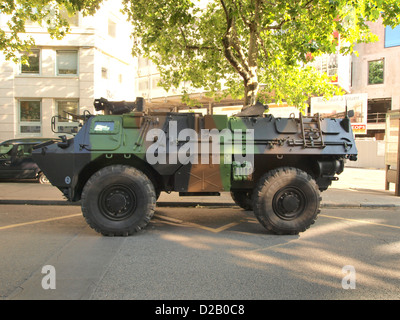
x=16, y=159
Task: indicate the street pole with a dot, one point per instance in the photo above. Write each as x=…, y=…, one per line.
x=397, y=185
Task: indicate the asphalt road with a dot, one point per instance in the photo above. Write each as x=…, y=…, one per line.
x=199, y=253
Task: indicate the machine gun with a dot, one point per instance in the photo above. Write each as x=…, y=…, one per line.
x=118, y=107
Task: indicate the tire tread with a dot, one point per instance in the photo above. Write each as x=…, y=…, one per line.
x=117, y=169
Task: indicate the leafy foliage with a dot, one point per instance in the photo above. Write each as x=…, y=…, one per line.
x=251, y=49
x=254, y=49
x=46, y=13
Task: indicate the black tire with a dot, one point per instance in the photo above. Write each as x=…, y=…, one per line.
x=243, y=198
x=118, y=201
x=286, y=201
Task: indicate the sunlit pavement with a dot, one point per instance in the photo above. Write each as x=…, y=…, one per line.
x=200, y=253
x=355, y=188
x=203, y=248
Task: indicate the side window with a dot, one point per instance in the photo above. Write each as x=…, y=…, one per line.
x=5, y=151
x=103, y=126
x=112, y=28
x=33, y=62
x=67, y=62
x=66, y=110
x=73, y=20
x=376, y=71
x=24, y=151
x=30, y=116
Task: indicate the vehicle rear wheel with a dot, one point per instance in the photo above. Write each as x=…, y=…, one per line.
x=118, y=200
x=243, y=198
x=286, y=201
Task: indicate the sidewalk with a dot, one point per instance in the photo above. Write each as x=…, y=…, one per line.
x=355, y=188
x=360, y=187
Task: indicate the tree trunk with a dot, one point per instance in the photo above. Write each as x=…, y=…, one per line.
x=250, y=91
x=251, y=84
x=244, y=64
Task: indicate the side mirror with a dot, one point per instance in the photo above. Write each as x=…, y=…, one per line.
x=350, y=113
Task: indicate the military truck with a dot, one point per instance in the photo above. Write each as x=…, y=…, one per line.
x=121, y=160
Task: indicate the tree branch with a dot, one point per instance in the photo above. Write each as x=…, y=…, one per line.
x=194, y=47
x=280, y=25
x=240, y=10
x=230, y=41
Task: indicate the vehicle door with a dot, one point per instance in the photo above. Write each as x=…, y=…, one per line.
x=22, y=162
x=7, y=152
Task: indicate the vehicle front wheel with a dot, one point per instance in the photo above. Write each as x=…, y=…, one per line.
x=286, y=201
x=118, y=200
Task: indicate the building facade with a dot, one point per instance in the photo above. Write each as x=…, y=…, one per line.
x=64, y=76
x=375, y=70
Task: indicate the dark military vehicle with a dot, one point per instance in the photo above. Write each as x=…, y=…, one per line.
x=120, y=161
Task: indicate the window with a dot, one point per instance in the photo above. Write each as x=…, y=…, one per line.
x=327, y=64
x=33, y=62
x=65, y=110
x=155, y=80
x=143, y=84
x=66, y=122
x=73, y=20
x=30, y=116
x=67, y=62
x=376, y=71
x=392, y=36
x=49, y=18
x=112, y=27
x=104, y=126
x=104, y=73
x=24, y=150
x=29, y=22
x=143, y=62
x=5, y=151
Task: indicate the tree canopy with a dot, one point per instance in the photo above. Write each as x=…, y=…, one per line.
x=251, y=49
x=256, y=49
x=47, y=13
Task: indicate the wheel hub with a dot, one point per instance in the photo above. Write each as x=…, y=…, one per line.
x=117, y=202
x=289, y=203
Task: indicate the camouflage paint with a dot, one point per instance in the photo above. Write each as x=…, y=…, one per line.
x=106, y=139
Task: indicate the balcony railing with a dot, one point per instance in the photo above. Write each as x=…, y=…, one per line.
x=378, y=117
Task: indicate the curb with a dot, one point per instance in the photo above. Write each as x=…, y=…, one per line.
x=195, y=204
x=359, y=205
x=41, y=202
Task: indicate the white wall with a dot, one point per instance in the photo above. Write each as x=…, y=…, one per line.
x=375, y=51
x=371, y=154
x=96, y=50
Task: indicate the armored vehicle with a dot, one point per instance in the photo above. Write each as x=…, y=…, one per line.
x=120, y=161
